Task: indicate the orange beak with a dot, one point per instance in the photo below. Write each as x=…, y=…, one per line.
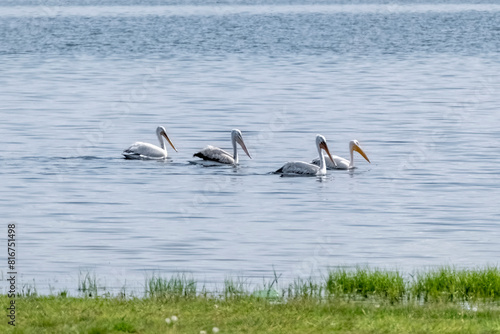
x=166, y=137
x=360, y=151
x=325, y=147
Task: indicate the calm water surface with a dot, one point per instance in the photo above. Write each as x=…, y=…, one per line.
x=416, y=84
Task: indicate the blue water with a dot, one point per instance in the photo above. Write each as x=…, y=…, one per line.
x=417, y=84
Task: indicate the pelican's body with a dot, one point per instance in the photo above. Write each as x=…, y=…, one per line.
x=341, y=163
x=215, y=154
x=304, y=168
x=140, y=150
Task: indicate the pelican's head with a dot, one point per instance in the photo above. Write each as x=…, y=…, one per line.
x=321, y=143
x=161, y=132
x=238, y=138
x=355, y=146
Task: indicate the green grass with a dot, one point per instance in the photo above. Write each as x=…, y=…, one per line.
x=304, y=289
x=445, y=284
x=87, y=284
x=234, y=288
x=360, y=300
x=178, y=286
x=450, y=284
x=244, y=315
x=366, y=283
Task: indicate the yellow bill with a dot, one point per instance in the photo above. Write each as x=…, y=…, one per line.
x=360, y=151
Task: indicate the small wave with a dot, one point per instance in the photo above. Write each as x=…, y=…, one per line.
x=83, y=157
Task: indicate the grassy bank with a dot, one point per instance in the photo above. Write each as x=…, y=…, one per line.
x=245, y=315
x=348, y=301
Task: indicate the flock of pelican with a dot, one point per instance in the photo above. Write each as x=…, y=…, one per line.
x=317, y=167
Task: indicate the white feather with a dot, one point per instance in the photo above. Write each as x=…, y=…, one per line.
x=301, y=168
x=216, y=154
x=341, y=162
x=304, y=168
x=140, y=150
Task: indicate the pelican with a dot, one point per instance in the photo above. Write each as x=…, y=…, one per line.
x=341, y=163
x=140, y=150
x=304, y=168
x=215, y=154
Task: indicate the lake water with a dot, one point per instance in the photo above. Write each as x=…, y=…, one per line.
x=416, y=84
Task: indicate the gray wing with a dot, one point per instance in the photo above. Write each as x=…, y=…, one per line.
x=212, y=153
x=298, y=167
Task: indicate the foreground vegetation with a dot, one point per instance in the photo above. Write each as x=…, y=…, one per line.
x=363, y=300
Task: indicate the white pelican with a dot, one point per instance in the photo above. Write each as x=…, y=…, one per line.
x=304, y=168
x=140, y=150
x=215, y=154
x=341, y=163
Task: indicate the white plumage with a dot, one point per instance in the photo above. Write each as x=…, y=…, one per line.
x=140, y=150
x=215, y=154
x=342, y=163
x=304, y=168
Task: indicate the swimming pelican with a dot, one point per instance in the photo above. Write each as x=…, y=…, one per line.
x=140, y=150
x=342, y=163
x=216, y=154
x=303, y=168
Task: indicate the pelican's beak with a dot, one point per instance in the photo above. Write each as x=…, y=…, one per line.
x=164, y=134
x=242, y=144
x=325, y=147
x=360, y=151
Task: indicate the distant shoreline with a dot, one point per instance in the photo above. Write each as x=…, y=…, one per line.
x=443, y=284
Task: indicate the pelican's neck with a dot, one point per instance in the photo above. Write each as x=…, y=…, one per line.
x=351, y=162
x=162, y=142
x=322, y=164
x=235, y=151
